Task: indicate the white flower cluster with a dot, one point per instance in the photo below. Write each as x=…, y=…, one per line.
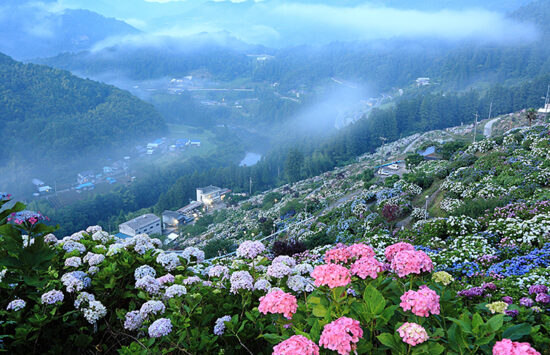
x=419, y=213
x=450, y=204
x=522, y=232
x=168, y=260
x=464, y=249
x=102, y=237
x=190, y=252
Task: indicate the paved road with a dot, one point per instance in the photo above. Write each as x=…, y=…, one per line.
x=488, y=129
x=409, y=147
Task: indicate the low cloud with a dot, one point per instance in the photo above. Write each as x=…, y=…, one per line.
x=368, y=22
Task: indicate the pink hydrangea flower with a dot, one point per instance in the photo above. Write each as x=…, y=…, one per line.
x=341, y=335
x=360, y=250
x=296, y=344
x=278, y=302
x=337, y=255
x=508, y=347
x=367, y=266
x=396, y=248
x=421, y=302
x=412, y=333
x=166, y=279
x=411, y=262
x=331, y=275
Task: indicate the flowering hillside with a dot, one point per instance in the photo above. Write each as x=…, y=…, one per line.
x=364, y=269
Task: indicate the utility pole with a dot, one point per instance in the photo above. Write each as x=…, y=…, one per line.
x=490, y=109
x=475, y=127
x=250, y=188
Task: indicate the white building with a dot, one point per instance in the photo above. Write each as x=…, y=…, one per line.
x=545, y=109
x=422, y=81
x=211, y=194
x=147, y=223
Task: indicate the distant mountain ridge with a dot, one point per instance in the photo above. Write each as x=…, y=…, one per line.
x=30, y=32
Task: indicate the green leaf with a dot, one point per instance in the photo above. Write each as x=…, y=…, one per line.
x=436, y=348
x=485, y=340
x=388, y=340
x=477, y=321
x=83, y=340
x=319, y=311
x=517, y=332
x=374, y=300
x=273, y=338
x=495, y=323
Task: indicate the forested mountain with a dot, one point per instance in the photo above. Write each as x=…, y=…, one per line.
x=30, y=30
x=50, y=115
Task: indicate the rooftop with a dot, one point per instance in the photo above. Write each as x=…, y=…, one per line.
x=172, y=214
x=209, y=189
x=141, y=221
x=428, y=151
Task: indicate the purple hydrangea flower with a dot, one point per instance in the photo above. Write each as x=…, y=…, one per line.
x=508, y=299
x=144, y=270
x=218, y=271
x=262, y=285
x=278, y=270
x=538, y=289
x=166, y=279
x=149, y=284
x=30, y=217
x=16, y=305
x=160, y=327
x=250, y=249
x=219, y=328
x=74, y=261
x=526, y=302
x=512, y=313
x=192, y=280
x=154, y=307
x=241, y=280
x=52, y=297
x=133, y=320
x=542, y=298
x=76, y=281
x=471, y=292
x=491, y=286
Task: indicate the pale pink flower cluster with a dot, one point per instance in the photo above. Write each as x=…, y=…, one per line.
x=360, y=250
x=508, y=347
x=250, y=249
x=366, y=266
x=166, y=279
x=337, y=255
x=278, y=302
x=421, y=302
x=396, y=248
x=296, y=345
x=412, y=333
x=331, y=275
x=341, y=335
x=411, y=262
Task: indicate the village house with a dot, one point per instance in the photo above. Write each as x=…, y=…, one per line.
x=211, y=194
x=147, y=223
x=85, y=176
x=172, y=219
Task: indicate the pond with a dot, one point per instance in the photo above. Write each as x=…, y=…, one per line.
x=250, y=159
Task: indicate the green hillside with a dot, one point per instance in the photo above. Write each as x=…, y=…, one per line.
x=59, y=116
